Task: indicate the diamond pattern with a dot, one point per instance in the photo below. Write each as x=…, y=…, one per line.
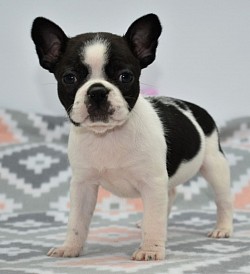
x=34, y=206
x=35, y=168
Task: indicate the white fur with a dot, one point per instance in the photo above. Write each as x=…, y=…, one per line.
x=94, y=55
x=215, y=170
x=129, y=161
x=80, y=114
x=188, y=169
x=127, y=156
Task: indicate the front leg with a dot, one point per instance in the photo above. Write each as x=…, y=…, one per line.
x=154, y=226
x=83, y=197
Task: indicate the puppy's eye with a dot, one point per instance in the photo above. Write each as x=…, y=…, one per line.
x=69, y=79
x=126, y=77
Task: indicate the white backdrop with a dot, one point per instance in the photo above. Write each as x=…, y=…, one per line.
x=203, y=55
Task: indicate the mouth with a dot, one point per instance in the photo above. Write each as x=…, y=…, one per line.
x=91, y=114
x=97, y=111
x=102, y=118
x=91, y=120
x=102, y=115
x=99, y=124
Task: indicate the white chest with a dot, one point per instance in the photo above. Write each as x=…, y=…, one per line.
x=122, y=159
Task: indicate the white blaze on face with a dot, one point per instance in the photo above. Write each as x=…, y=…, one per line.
x=95, y=57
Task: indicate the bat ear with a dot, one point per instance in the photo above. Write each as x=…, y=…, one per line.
x=142, y=37
x=50, y=42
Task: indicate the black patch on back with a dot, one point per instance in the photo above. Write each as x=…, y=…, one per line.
x=180, y=104
x=203, y=118
x=183, y=140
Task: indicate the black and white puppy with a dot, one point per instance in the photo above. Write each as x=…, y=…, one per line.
x=130, y=145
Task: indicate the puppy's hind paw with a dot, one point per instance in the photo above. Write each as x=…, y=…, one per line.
x=220, y=233
x=65, y=251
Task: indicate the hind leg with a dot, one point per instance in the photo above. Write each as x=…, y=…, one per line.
x=215, y=170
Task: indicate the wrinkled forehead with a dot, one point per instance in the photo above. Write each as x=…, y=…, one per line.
x=99, y=53
x=106, y=47
x=94, y=54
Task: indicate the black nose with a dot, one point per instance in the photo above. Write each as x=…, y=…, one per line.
x=97, y=93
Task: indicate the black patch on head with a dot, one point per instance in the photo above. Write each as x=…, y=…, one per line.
x=127, y=55
x=121, y=61
x=71, y=63
x=183, y=140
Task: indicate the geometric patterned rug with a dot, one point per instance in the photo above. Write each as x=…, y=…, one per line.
x=34, y=206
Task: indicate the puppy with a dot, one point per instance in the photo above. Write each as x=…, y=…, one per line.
x=130, y=145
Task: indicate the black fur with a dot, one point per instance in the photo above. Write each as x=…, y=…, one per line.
x=115, y=66
x=142, y=37
x=203, y=118
x=61, y=55
x=50, y=42
x=183, y=140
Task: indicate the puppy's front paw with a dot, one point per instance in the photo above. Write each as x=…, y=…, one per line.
x=65, y=251
x=220, y=233
x=150, y=252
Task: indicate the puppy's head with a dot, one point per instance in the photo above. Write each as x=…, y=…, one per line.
x=97, y=73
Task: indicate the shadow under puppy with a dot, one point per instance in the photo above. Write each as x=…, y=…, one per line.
x=130, y=145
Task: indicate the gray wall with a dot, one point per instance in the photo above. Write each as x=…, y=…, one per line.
x=203, y=55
